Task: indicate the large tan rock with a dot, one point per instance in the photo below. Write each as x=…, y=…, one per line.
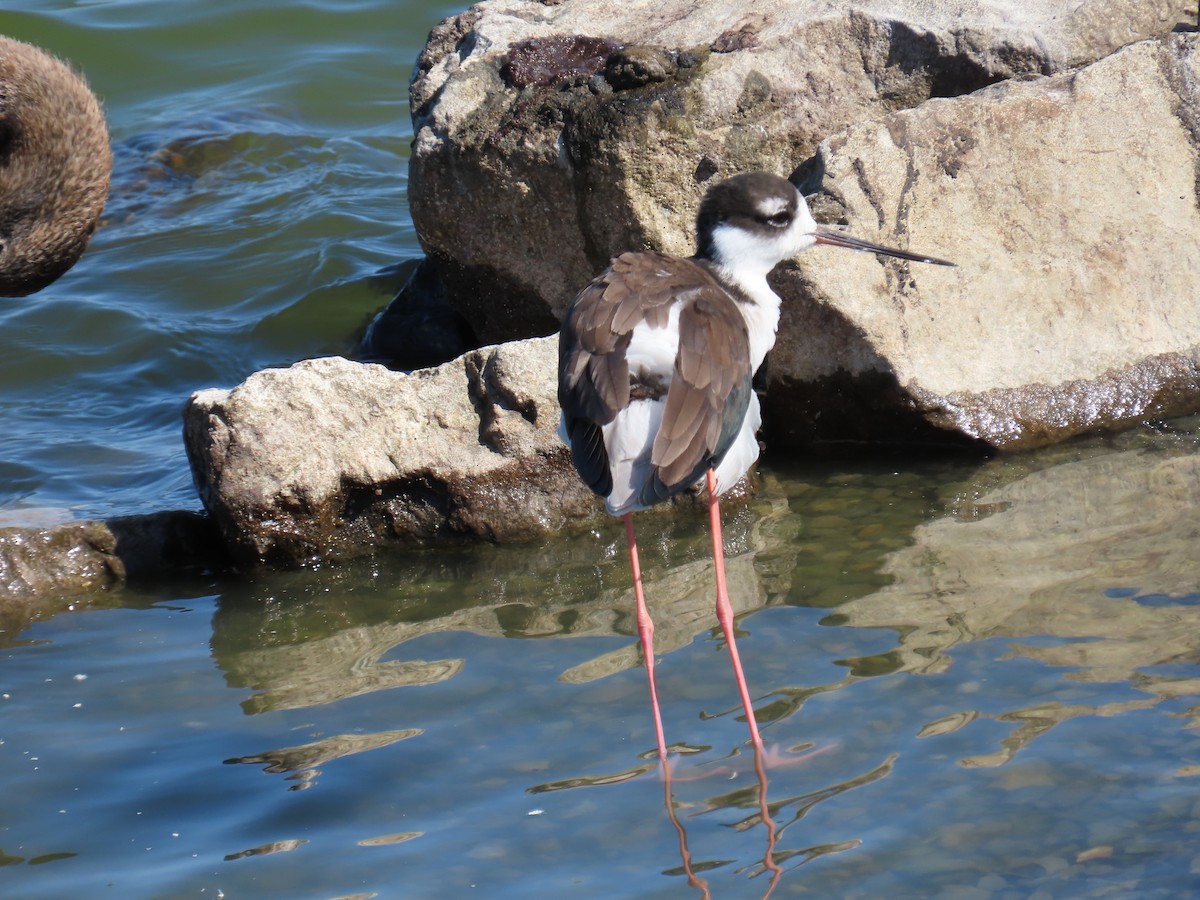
x=1070, y=205
x=534, y=163
x=1068, y=201
x=332, y=458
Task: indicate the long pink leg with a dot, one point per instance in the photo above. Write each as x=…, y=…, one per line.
x=725, y=611
x=645, y=627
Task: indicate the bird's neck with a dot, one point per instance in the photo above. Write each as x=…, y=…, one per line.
x=758, y=304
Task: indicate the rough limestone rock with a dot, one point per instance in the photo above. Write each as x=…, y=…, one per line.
x=333, y=458
x=1069, y=204
x=551, y=136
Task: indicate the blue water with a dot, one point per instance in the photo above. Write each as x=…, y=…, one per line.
x=120, y=778
x=258, y=188
x=952, y=711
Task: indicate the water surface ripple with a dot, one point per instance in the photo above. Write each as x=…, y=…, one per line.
x=976, y=678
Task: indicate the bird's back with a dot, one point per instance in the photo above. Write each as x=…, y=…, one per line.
x=654, y=378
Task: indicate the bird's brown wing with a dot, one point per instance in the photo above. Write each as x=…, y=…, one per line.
x=709, y=393
x=594, y=383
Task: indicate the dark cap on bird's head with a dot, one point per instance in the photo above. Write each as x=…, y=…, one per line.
x=755, y=202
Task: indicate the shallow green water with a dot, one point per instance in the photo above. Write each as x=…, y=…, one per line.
x=979, y=675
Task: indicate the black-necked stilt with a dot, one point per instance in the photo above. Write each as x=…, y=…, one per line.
x=656, y=358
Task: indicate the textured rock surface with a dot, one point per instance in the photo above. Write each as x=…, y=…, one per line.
x=333, y=458
x=65, y=559
x=539, y=154
x=1069, y=202
x=1070, y=205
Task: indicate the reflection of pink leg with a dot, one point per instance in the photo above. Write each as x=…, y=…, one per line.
x=725, y=611
x=645, y=627
x=684, y=853
x=764, y=813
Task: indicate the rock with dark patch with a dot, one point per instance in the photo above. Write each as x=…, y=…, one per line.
x=523, y=186
x=55, y=164
x=556, y=59
x=1070, y=205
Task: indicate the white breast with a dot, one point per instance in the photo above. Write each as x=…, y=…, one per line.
x=761, y=315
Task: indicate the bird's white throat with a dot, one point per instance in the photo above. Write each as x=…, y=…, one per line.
x=743, y=261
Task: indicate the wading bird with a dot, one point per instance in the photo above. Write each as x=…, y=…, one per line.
x=656, y=359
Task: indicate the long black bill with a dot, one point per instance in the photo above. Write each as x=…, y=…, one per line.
x=837, y=239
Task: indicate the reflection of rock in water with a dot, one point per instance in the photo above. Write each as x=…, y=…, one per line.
x=681, y=600
x=305, y=756
x=309, y=756
x=1063, y=552
x=332, y=644
x=267, y=849
x=345, y=664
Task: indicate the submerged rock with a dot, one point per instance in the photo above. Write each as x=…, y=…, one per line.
x=47, y=570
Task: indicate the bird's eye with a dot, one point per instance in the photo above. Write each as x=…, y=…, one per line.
x=779, y=220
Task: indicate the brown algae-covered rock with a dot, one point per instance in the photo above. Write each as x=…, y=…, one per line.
x=530, y=170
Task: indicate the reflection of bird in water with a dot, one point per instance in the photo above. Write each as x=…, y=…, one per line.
x=55, y=164
x=656, y=358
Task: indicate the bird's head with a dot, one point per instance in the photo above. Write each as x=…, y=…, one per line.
x=752, y=222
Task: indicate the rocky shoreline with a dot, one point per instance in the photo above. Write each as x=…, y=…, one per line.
x=1052, y=157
